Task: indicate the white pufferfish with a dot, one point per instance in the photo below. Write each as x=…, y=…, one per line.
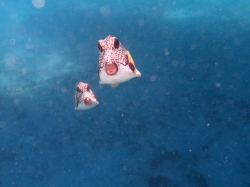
x=84, y=97
x=116, y=65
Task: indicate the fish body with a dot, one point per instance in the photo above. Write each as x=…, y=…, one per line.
x=84, y=97
x=116, y=65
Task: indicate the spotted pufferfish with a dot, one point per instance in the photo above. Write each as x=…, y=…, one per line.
x=84, y=97
x=116, y=65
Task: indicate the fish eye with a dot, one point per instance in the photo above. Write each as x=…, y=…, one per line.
x=100, y=47
x=116, y=43
x=78, y=90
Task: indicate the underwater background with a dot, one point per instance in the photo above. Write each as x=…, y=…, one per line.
x=185, y=122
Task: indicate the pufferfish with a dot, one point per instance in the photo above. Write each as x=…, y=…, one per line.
x=84, y=97
x=116, y=65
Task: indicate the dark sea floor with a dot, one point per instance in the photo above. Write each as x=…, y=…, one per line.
x=185, y=122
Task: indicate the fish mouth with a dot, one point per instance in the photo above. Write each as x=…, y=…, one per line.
x=87, y=101
x=111, y=68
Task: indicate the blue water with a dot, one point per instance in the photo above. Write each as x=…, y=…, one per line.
x=185, y=122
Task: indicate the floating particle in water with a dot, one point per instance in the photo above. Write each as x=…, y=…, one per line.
x=236, y=74
x=23, y=70
x=152, y=78
x=192, y=47
x=38, y=3
x=2, y=124
x=16, y=101
x=105, y=10
x=12, y=41
x=166, y=53
x=49, y=103
x=80, y=47
x=64, y=90
x=11, y=61
x=218, y=85
x=193, y=66
x=175, y=63
x=141, y=22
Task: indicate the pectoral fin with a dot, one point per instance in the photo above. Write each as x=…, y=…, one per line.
x=114, y=85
